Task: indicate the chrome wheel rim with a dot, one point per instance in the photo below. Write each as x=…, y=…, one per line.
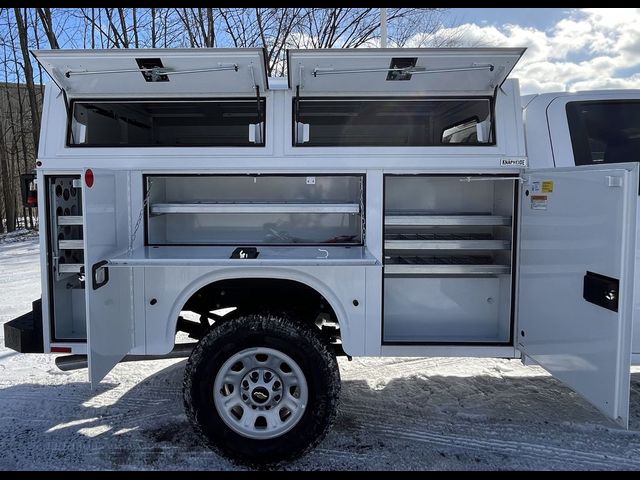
x=260, y=393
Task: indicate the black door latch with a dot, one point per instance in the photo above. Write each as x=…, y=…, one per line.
x=601, y=290
x=245, y=252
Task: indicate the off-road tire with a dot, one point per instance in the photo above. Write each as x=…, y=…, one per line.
x=297, y=340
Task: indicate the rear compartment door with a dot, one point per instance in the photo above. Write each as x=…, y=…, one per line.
x=108, y=290
x=575, y=292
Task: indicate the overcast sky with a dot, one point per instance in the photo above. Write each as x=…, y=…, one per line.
x=567, y=49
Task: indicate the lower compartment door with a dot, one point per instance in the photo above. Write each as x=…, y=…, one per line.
x=575, y=294
x=108, y=290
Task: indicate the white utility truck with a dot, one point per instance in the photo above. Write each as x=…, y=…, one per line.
x=377, y=202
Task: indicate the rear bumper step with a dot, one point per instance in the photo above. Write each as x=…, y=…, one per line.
x=24, y=334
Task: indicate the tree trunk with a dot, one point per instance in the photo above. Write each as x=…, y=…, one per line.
x=28, y=73
x=47, y=23
x=7, y=185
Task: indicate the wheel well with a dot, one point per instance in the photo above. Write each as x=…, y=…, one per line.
x=243, y=296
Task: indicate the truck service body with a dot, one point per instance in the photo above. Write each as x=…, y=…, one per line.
x=376, y=202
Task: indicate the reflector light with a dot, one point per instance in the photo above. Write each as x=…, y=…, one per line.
x=60, y=349
x=88, y=178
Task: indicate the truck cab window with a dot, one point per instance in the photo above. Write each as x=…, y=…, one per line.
x=604, y=131
x=398, y=122
x=219, y=123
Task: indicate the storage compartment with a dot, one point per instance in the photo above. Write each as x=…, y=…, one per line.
x=66, y=245
x=253, y=210
x=448, y=259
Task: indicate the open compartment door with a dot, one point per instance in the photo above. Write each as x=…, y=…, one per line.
x=414, y=71
x=575, y=299
x=139, y=73
x=108, y=290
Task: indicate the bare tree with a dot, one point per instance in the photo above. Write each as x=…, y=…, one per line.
x=47, y=24
x=274, y=29
x=28, y=74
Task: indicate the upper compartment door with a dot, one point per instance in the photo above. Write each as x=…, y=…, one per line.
x=575, y=297
x=134, y=73
x=108, y=290
x=419, y=71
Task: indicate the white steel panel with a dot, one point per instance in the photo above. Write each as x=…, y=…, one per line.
x=160, y=208
x=172, y=286
x=220, y=256
x=191, y=72
x=109, y=308
x=444, y=220
x=438, y=71
x=584, y=225
x=443, y=309
x=549, y=128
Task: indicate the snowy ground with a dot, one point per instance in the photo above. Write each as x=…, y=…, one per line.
x=438, y=413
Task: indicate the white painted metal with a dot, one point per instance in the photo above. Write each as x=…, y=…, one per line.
x=220, y=256
x=159, y=208
x=444, y=220
x=70, y=220
x=192, y=72
x=172, y=274
x=340, y=285
x=70, y=244
x=108, y=308
x=444, y=309
x=446, y=269
x=585, y=225
x=549, y=144
x=465, y=71
x=70, y=267
x=463, y=159
x=447, y=244
x=476, y=351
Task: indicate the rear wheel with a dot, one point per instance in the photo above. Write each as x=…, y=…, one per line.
x=261, y=389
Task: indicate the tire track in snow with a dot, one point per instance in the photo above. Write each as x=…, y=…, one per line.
x=512, y=448
x=533, y=451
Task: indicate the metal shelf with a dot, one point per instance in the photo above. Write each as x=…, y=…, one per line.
x=446, y=269
x=71, y=244
x=444, y=241
x=447, y=245
x=443, y=265
x=444, y=220
x=70, y=267
x=69, y=220
x=164, y=208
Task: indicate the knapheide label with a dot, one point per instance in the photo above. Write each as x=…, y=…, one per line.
x=513, y=162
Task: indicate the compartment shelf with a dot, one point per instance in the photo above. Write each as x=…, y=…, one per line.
x=71, y=244
x=69, y=220
x=443, y=265
x=70, y=267
x=410, y=220
x=444, y=241
x=164, y=208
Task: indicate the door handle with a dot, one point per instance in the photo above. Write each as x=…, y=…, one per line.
x=95, y=270
x=601, y=290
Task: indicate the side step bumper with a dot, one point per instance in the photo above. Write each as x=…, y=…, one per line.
x=75, y=362
x=24, y=334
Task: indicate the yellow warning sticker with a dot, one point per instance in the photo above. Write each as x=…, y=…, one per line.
x=547, y=186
